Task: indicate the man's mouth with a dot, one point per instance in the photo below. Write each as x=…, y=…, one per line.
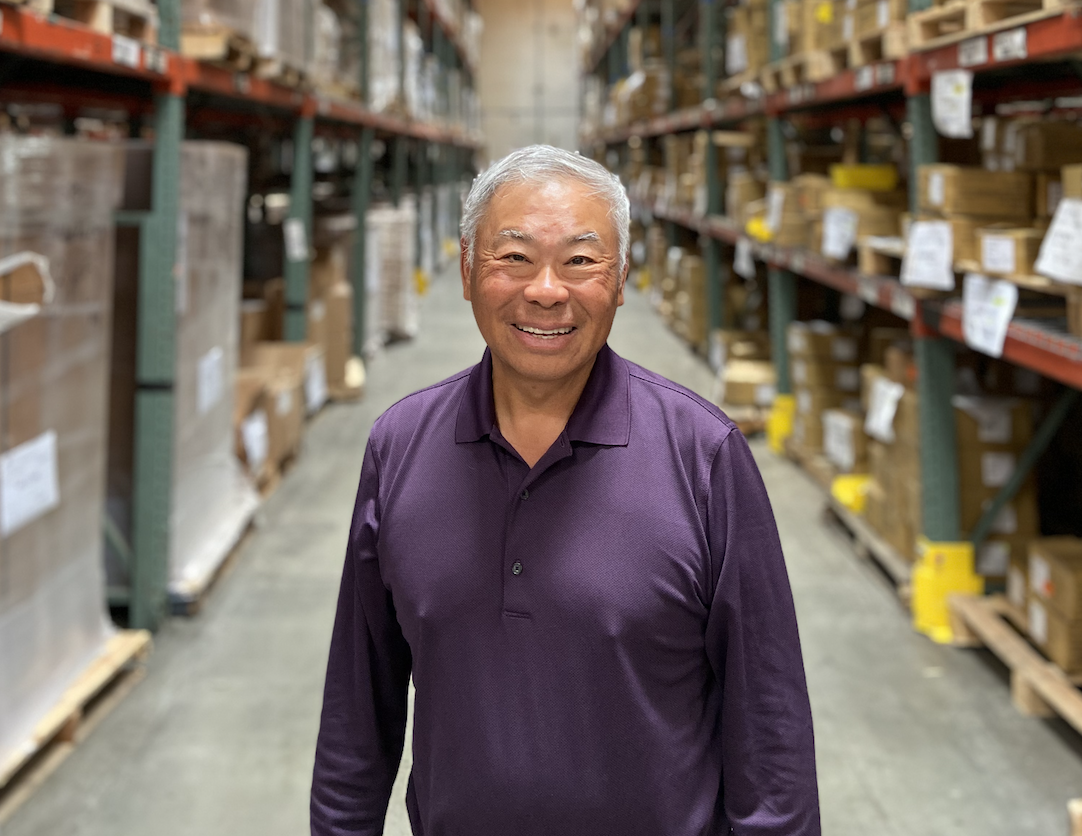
x=545, y=335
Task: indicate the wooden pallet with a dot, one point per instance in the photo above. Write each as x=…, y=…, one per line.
x=823, y=64
x=869, y=545
x=98, y=690
x=733, y=85
x=280, y=72
x=879, y=258
x=218, y=45
x=958, y=20
x=136, y=19
x=889, y=44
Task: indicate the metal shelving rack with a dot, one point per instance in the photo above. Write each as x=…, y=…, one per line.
x=936, y=326
x=90, y=69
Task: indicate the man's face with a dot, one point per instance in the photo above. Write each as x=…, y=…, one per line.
x=545, y=283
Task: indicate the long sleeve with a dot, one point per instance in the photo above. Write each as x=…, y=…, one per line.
x=768, y=756
x=362, y=730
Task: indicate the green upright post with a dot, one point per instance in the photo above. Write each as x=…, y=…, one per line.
x=717, y=272
x=300, y=216
x=782, y=284
x=400, y=165
x=155, y=373
x=362, y=190
x=668, y=44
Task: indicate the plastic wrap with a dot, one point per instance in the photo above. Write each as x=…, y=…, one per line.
x=238, y=16
x=56, y=200
x=326, y=58
x=384, y=56
x=396, y=232
x=212, y=500
x=281, y=31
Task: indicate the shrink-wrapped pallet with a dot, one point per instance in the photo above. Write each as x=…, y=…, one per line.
x=395, y=230
x=236, y=16
x=57, y=199
x=384, y=57
x=212, y=500
x=282, y=33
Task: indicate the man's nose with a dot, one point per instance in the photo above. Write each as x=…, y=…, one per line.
x=546, y=287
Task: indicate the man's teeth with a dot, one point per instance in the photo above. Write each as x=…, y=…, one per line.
x=538, y=332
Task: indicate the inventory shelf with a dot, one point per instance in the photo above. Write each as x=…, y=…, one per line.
x=61, y=41
x=1029, y=344
x=453, y=34
x=612, y=32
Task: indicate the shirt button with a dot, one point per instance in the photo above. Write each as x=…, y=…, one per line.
x=525, y=495
x=516, y=568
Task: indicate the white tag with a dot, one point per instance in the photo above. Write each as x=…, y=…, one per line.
x=995, y=426
x=742, y=262
x=988, y=133
x=996, y=468
x=847, y=28
x=1038, y=622
x=210, y=383
x=154, y=59
x=937, y=188
x=903, y=305
x=296, y=239
x=29, y=483
x=1061, y=256
x=800, y=371
x=180, y=266
x=987, y=308
x=253, y=431
x=993, y=558
x=998, y=254
x=882, y=13
x=804, y=400
x=882, y=407
x=315, y=383
x=775, y=205
x=868, y=289
x=865, y=78
x=929, y=255
x=736, y=54
x=1010, y=45
x=973, y=52
x=126, y=52
x=283, y=404
x=844, y=349
x=1006, y=521
x=243, y=83
x=1040, y=576
x=839, y=231
x=952, y=103
x=317, y=310
x=1016, y=587
x=847, y=379
x=781, y=26
x=764, y=394
x=884, y=73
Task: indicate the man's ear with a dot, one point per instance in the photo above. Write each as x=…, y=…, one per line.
x=623, y=284
x=464, y=270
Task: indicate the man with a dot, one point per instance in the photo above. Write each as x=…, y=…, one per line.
x=575, y=559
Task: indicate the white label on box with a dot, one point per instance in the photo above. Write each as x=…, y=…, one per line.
x=800, y=371
x=781, y=25
x=253, y=431
x=284, y=402
x=126, y=52
x=1006, y=521
x=996, y=468
x=839, y=231
x=1010, y=138
x=847, y=27
x=315, y=383
x=804, y=400
x=1061, y=256
x=995, y=427
x=1038, y=622
x=884, y=73
x=974, y=52
x=296, y=239
x=742, y=262
x=988, y=133
x=847, y=379
x=952, y=103
x=764, y=394
x=317, y=310
x=736, y=54
x=993, y=558
x=1040, y=576
x=929, y=254
x=882, y=13
x=1054, y=195
x=998, y=254
x=797, y=341
x=865, y=78
x=180, y=266
x=903, y=305
x=937, y=188
x=155, y=60
x=987, y=309
x=844, y=349
x=29, y=483
x=1010, y=45
x=882, y=407
x=774, y=207
x=1016, y=587
x=210, y=382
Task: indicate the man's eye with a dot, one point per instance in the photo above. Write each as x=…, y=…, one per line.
x=519, y=257
x=581, y=260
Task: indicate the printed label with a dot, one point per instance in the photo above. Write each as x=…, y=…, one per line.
x=254, y=434
x=987, y=309
x=210, y=385
x=29, y=483
x=998, y=254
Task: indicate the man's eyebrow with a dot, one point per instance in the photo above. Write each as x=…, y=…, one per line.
x=516, y=234
x=592, y=237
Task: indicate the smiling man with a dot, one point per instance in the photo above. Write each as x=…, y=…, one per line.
x=577, y=562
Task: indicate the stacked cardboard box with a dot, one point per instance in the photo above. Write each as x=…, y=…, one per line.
x=1054, y=599
x=747, y=38
x=970, y=198
x=57, y=199
x=690, y=303
x=825, y=375
x=392, y=290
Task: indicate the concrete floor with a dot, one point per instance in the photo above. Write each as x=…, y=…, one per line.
x=912, y=738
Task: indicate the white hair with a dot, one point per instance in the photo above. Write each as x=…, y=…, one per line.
x=539, y=164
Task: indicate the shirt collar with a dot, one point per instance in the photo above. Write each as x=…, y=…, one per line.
x=602, y=415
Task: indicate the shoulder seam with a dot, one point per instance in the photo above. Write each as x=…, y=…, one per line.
x=455, y=379
x=695, y=399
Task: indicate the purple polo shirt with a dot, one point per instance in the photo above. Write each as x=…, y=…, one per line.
x=602, y=644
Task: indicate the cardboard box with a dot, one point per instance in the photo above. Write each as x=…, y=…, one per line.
x=995, y=555
x=1047, y=144
x=1048, y=191
x=815, y=401
x=1055, y=574
x=1071, y=176
x=844, y=441
x=985, y=423
x=738, y=345
x=1007, y=251
x=970, y=190
x=1059, y=637
x=304, y=361
x=808, y=433
x=749, y=383
x=251, y=427
x=1019, y=517
x=821, y=340
x=1018, y=582
x=964, y=230
x=812, y=372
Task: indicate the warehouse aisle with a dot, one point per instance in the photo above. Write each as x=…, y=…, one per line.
x=912, y=738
